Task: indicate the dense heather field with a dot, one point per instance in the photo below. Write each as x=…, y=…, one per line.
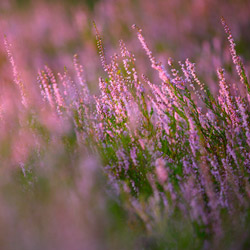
x=145, y=146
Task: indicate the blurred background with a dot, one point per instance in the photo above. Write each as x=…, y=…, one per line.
x=52, y=31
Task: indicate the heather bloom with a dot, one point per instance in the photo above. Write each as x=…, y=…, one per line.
x=57, y=95
x=123, y=160
x=244, y=117
x=193, y=135
x=225, y=99
x=174, y=158
x=191, y=71
x=133, y=155
x=45, y=87
x=128, y=60
x=161, y=171
x=16, y=75
x=145, y=46
x=177, y=79
x=236, y=59
x=101, y=50
x=155, y=65
x=215, y=169
x=81, y=79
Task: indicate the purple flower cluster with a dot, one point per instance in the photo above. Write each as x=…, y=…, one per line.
x=170, y=141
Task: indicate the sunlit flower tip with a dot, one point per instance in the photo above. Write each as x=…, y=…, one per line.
x=134, y=26
x=17, y=79
x=170, y=61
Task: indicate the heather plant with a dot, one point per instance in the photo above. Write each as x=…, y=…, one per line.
x=155, y=164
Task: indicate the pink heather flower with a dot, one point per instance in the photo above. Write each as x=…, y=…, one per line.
x=134, y=186
x=106, y=97
x=177, y=80
x=202, y=118
x=142, y=143
x=101, y=109
x=161, y=116
x=110, y=133
x=231, y=177
x=225, y=99
x=63, y=80
x=192, y=194
x=163, y=102
x=236, y=59
x=17, y=78
x=155, y=65
x=215, y=168
x=170, y=61
x=79, y=71
x=248, y=98
x=162, y=72
x=244, y=117
x=58, y=97
x=191, y=71
x=124, y=51
x=47, y=89
x=145, y=46
x=167, y=90
x=101, y=50
x=123, y=161
x=193, y=136
x=128, y=60
x=161, y=171
x=70, y=91
x=232, y=153
x=100, y=131
x=186, y=166
x=190, y=76
x=187, y=75
x=81, y=79
x=194, y=165
x=42, y=89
